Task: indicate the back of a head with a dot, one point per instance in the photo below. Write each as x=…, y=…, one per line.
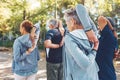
x=111, y=21
x=53, y=22
x=71, y=13
x=28, y=25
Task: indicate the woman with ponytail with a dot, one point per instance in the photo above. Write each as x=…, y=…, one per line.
x=25, y=52
x=108, y=47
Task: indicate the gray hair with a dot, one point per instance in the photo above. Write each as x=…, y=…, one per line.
x=71, y=13
x=53, y=22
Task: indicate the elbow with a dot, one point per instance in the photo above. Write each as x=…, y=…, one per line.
x=46, y=45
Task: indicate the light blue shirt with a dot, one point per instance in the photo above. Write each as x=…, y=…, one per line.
x=79, y=58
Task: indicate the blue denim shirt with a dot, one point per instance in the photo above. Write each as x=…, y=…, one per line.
x=24, y=64
x=79, y=58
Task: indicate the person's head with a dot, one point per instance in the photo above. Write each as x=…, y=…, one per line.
x=51, y=24
x=72, y=20
x=111, y=21
x=26, y=27
x=102, y=22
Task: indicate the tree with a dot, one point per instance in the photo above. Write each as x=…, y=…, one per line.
x=13, y=12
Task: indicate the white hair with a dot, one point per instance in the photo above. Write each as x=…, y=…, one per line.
x=53, y=22
x=71, y=13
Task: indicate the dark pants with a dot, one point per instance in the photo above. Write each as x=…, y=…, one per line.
x=54, y=71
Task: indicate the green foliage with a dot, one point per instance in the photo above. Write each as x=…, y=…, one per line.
x=6, y=43
x=110, y=7
x=13, y=12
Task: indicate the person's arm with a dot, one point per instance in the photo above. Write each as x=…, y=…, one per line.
x=35, y=32
x=87, y=24
x=33, y=35
x=48, y=40
x=18, y=56
x=49, y=44
x=93, y=38
x=62, y=42
x=112, y=29
x=115, y=33
x=82, y=60
x=117, y=51
x=60, y=27
x=62, y=31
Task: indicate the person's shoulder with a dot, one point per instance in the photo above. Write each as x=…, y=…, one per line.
x=17, y=40
x=22, y=38
x=53, y=31
x=68, y=37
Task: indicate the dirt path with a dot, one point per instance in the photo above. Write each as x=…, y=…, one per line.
x=6, y=73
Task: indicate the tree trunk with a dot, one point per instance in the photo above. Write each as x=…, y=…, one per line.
x=24, y=14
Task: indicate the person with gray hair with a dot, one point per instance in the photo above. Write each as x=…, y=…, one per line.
x=79, y=51
x=52, y=22
x=53, y=44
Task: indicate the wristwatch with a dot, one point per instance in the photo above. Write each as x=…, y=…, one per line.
x=88, y=30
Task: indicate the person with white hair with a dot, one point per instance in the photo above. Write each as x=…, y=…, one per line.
x=53, y=44
x=80, y=47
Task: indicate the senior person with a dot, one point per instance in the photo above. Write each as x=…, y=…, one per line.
x=53, y=44
x=79, y=50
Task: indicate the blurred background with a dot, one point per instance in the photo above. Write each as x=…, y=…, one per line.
x=13, y=12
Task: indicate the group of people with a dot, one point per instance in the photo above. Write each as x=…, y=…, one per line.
x=81, y=51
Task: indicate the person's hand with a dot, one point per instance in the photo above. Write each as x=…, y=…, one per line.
x=112, y=29
x=62, y=42
x=32, y=34
x=102, y=22
x=116, y=54
x=115, y=34
x=31, y=49
x=61, y=27
x=93, y=38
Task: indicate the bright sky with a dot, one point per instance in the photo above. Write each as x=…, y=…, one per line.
x=34, y=4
